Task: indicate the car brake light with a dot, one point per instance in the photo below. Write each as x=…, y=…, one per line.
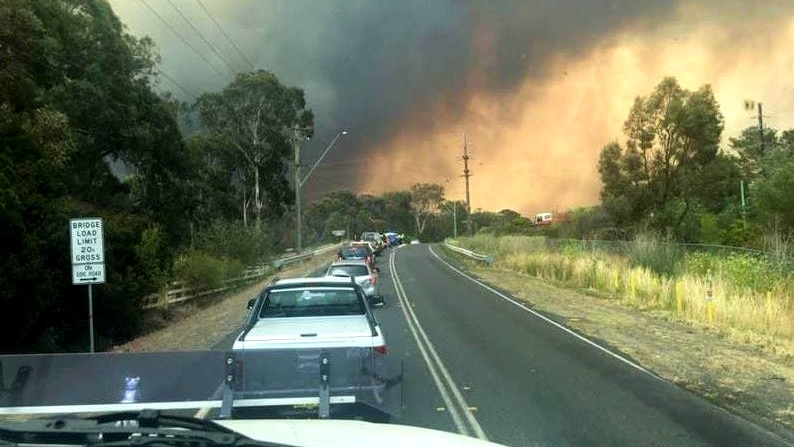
x=373, y=279
x=379, y=350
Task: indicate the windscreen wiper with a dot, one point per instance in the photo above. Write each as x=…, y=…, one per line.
x=123, y=429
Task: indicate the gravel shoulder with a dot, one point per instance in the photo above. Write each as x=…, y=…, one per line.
x=204, y=326
x=744, y=379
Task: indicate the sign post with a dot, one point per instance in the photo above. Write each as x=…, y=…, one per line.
x=88, y=260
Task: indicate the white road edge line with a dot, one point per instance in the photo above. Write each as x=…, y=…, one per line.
x=546, y=319
x=414, y=321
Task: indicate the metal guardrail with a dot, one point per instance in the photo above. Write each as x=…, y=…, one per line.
x=480, y=257
x=278, y=263
x=179, y=294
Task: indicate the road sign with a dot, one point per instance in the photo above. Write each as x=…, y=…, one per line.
x=88, y=242
x=88, y=273
x=88, y=260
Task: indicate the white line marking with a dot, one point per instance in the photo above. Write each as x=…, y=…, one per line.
x=456, y=419
x=546, y=319
x=416, y=327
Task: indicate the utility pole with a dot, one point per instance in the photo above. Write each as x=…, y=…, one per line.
x=297, y=139
x=298, y=218
x=466, y=174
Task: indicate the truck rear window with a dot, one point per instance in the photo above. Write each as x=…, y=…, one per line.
x=355, y=252
x=312, y=303
x=349, y=270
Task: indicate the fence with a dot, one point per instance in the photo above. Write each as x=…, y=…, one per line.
x=179, y=293
x=485, y=258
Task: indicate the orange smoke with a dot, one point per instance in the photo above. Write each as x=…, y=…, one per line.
x=536, y=149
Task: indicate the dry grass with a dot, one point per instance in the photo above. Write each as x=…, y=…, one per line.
x=757, y=315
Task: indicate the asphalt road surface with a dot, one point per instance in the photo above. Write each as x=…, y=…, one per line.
x=477, y=363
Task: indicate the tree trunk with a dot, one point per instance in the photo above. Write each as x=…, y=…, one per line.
x=245, y=207
x=257, y=200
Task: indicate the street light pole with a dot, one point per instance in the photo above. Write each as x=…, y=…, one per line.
x=300, y=182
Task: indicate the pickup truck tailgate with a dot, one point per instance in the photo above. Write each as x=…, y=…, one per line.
x=345, y=330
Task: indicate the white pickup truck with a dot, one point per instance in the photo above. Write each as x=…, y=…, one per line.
x=311, y=313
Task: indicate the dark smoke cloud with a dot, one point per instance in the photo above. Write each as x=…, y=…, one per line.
x=368, y=65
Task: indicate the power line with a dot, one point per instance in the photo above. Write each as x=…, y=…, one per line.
x=181, y=37
x=226, y=36
x=179, y=85
x=201, y=36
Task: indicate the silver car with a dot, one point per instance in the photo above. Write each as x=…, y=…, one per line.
x=364, y=275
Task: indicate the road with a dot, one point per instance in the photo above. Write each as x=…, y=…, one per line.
x=477, y=363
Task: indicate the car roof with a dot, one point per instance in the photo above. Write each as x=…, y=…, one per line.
x=313, y=281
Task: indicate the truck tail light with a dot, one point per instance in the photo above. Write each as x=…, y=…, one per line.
x=379, y=350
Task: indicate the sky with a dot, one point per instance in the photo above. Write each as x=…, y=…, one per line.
x=538, y=87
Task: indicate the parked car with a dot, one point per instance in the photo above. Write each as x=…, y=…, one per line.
x=305, y=313
x=364, y=275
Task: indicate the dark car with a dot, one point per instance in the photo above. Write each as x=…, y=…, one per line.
x=356, y=252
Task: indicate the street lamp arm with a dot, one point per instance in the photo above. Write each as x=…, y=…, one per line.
x=322, y=156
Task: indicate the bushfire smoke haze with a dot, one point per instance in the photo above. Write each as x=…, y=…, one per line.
x=538, y=86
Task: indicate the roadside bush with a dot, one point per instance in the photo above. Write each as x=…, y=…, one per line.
x=740, y=270
x=659, y=256
x=233, y=240
x=199, y=269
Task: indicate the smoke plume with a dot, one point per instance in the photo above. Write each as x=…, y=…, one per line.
x=538, y=86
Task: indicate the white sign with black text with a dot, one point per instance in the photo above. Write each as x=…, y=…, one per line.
x=88, y=251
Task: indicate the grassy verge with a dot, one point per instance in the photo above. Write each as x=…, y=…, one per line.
x=740, y=377
x=741, y=295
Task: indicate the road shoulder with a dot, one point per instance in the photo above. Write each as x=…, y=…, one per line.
x=743, y=379
x=203, y=327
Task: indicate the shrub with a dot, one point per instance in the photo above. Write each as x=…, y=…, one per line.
x=232, y=240
x=659, y=256
x=200, y=270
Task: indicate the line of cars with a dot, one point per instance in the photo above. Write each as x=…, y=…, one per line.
x=330, y=311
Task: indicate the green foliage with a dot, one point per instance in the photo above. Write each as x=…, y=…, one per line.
x=232, y=240
x=709, y=232
x=739, y=269
x=656, y=254
x=152, y=252
x=505, y=222
x=672, y=140
x=773, y=196
x=200, y=270
x=76, y=101
x=255, y=116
